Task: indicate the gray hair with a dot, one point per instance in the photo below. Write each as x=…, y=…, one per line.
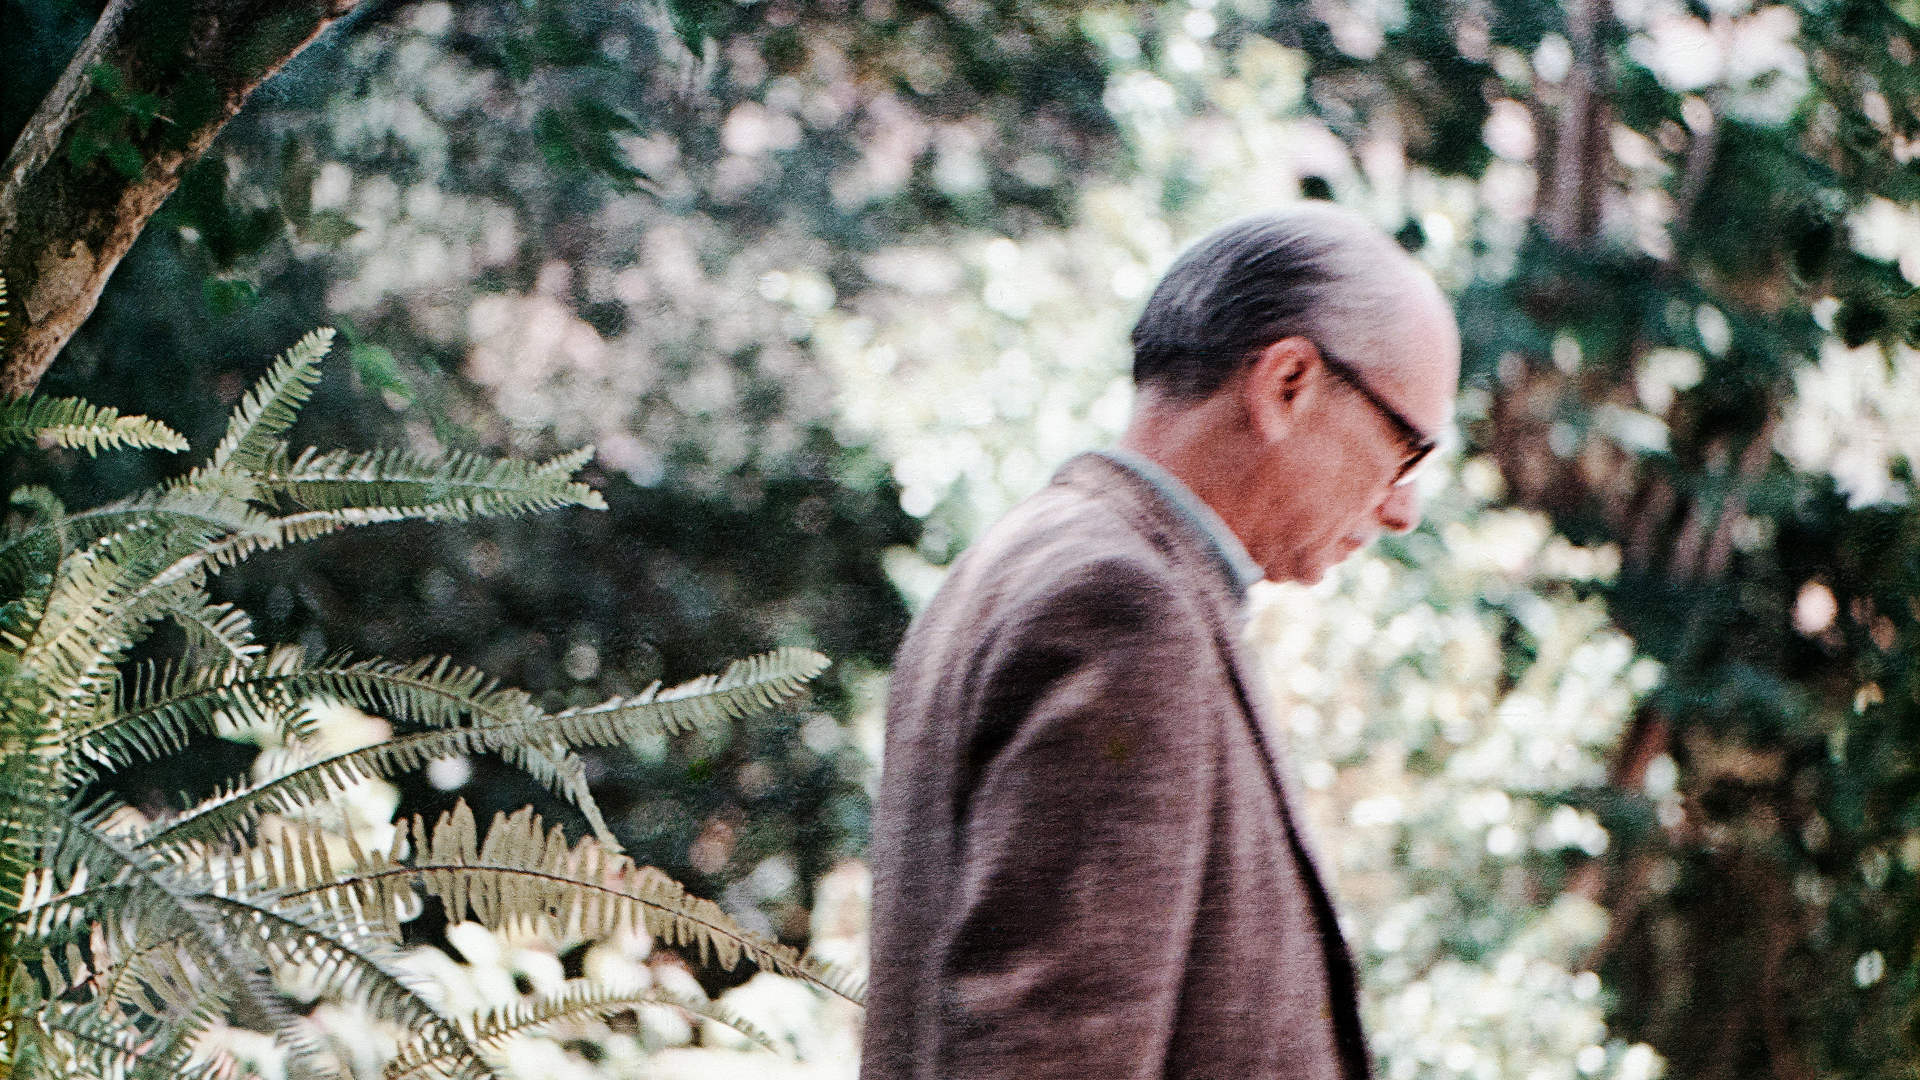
x=1252, y=283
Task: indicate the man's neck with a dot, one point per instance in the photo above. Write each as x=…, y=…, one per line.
x=1190, y=441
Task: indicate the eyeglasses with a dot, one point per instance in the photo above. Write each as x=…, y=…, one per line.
x=1418, y=443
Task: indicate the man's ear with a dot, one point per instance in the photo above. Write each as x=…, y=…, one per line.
x=1279, y=382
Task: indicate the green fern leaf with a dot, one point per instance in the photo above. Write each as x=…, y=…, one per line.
x=157, y=712
x=364, y=970
x=193, y=568
x=32, y=781
x=37, y=549
x=104, y=600
x=220, y=629
x=159, y=709
x=77, y=425
x=182, y=953
x=107, y=591
x=451, y=487
x=746, y=685
x=132, y=941
x=269, y=408
x=496, y=1027
x=97, y=1038
x=77, y=1040
x=522, y=871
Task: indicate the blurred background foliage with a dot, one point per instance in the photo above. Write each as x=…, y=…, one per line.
x=1614, y=755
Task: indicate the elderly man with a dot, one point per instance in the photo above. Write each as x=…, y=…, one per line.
x=1086, y=861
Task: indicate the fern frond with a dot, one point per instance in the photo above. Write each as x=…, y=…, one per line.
x=106, y=593
x=213, y=513
x=135, y=969
x=227, y=814
x=758, y=682
x=221, y=629
x=427, y=692
x=193, y=559
x=746, y=685
x=564, y=773
x=494, y=1028
x=98, y=1042
x=165, y=903
x=363, y=970
x=82, y=603
x=205, y=513
x=77, y=1040
x=160, y=708
x=50, y=911
x=523, y=871
x=102, y=602
x=194, y=567
x=268, y=409
x=842, y=981
x=77, y=425
x=580, y=1001
x=451, y=487
x=33, y=780
x=298, y=860
x=157, y=711
x=168, y=942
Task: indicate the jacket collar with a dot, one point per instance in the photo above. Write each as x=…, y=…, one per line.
x=1181, y=535
x=1195, y=514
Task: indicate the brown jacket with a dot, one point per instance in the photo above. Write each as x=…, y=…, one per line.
x=1085, y=863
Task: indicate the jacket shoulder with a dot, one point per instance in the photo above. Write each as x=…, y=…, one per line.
x=1060, y=548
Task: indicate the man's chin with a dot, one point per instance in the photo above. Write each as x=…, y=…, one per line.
x=1309, y=567
x=1323, y=562
x=1301, y=572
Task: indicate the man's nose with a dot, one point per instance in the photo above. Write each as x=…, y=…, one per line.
x=1400, y=511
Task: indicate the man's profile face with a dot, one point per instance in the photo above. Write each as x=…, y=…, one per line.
x=1339, y=483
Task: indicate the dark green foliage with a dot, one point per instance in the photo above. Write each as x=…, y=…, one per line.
x=1781, y=605
x=107, y=129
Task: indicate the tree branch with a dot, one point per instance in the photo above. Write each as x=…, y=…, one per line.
x=100, y=156
x=50, y=121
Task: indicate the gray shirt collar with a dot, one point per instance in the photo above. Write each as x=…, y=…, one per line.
x=1225, y=547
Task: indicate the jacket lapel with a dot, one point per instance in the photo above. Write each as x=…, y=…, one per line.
x=1343, y=980
x=1189, y=553
x=1175, y=537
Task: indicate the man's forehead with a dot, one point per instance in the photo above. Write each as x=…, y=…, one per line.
x=1408, y=347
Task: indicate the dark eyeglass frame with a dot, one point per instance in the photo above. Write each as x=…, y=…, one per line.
x=1419, y=444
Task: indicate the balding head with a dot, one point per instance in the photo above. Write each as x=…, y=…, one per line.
x=1315, y=271
x=1292, y=369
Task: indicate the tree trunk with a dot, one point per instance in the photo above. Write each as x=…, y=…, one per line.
x=139, y=103
x=1569, y=207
